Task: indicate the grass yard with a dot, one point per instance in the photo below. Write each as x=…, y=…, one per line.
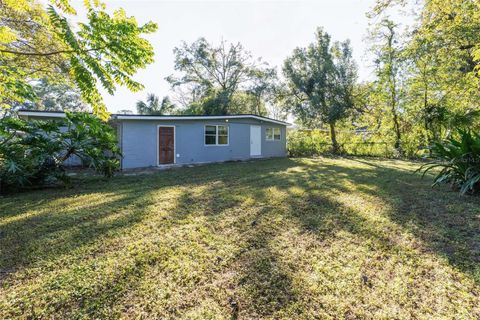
x=275, y=239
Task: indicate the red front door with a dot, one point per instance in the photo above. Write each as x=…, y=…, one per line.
x=166, y=145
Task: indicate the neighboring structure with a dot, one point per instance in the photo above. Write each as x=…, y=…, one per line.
x=148, y=141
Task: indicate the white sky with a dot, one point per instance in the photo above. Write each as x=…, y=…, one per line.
x=268, y=29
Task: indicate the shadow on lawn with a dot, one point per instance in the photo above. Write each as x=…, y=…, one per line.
x=446, y=223
x=56, y=221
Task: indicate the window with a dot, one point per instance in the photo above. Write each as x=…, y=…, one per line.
x=272, y=134
x=216, y=135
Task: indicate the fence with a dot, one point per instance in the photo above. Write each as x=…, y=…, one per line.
x=314, y=143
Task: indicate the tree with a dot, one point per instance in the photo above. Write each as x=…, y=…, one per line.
x=153, y=106
x=212, y=75
x=262, y=89
x=278, y=101
x=389, y=62
x=321, y=79
x=54, y=97
x=125, y=111
x=439, y=79
x=38, y=42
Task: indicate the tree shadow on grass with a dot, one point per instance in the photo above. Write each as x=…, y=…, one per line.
x=446, y=223
x=41, y=224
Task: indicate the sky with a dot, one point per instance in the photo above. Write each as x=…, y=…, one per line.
x=268, y=29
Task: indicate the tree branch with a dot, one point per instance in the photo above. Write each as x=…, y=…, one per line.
x=43, y=54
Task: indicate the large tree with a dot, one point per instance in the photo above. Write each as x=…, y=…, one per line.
x=437, y=66
x=54, y=97
x=38, y=41
x=209, y=76
x=321, y=78
x=389, y=62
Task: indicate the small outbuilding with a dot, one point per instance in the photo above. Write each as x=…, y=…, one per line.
x=149, y=140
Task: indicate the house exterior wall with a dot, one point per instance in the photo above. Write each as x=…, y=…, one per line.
x=139, y=141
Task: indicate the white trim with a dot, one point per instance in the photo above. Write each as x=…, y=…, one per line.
x=273, y=134
x=140, y=117
x=216, y=135
x=42, y=114
x=127, y=117
x=174, y=145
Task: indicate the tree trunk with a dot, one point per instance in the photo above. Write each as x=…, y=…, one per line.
x=398, y=136
x=333, y=136
x=428, y=125
x=396, y=125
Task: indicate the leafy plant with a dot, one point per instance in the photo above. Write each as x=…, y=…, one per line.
x=153, y=105
x=209, y=77
x=459, y=160
x=32, y=153
x=320, y=79
x=41, y=41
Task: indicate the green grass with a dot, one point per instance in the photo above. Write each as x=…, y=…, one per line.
x=276, y=239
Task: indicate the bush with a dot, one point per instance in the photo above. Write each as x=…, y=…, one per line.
x=32, y=152
x=459, y=160
x=307, y=143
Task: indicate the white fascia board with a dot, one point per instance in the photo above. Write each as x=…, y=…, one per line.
x=42, y=114
x=127, y=117
x=166, y=118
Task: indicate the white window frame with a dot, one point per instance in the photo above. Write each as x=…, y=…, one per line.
x=273, y=134
x=216, y=135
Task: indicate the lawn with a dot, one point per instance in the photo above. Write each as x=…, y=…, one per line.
x=275, y=239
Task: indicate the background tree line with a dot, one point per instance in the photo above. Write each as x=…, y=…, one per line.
x=425, y=88
x=425, y=85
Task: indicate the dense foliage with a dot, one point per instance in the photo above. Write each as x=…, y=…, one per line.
x=427, y=81
x=321, y=79
x=223, y=79
x=307, y=143
x=459, y=160
x=52, y=97
x=39, y=42
x=32, y=153
x=153, y=105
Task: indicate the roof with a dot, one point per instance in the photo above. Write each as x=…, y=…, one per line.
x=61, y=114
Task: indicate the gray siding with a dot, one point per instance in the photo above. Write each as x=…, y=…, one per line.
x=140, y=147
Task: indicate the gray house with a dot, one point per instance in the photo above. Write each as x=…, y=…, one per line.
x=148, y=141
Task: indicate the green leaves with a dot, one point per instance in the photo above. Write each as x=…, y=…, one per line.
x=153, y=106
x=321, y=78
x=212, y=76
x=459, y=160
x=106, y=50
x=32, y=152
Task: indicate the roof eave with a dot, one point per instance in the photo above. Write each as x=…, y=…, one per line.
x=166, y=118
x=42, y=114
x=50, y=114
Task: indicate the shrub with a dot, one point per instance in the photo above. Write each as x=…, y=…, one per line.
x=307, y=143
x=459, y=160
x=32, y=152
